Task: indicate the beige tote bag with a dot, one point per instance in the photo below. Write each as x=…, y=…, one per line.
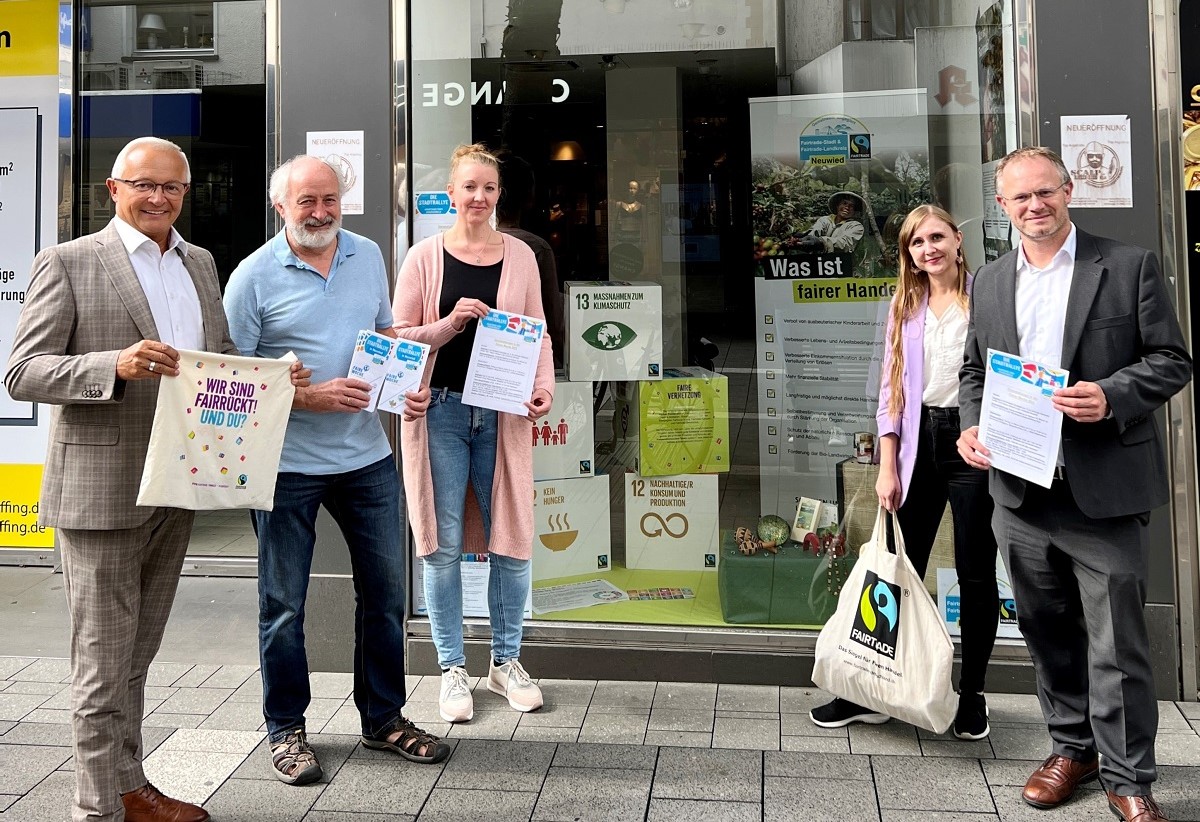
x=886, y=647
x=218, y=433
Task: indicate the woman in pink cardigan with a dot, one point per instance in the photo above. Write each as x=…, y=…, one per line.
x=446, y=284
x=919, y=466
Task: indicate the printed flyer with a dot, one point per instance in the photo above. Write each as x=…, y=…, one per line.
x=405, y=370
x=218, y=432
x=371, y=362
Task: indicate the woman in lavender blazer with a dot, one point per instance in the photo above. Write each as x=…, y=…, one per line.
x=919, y=468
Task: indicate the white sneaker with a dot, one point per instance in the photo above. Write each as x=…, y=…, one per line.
x=510, y=680
x=454, y=702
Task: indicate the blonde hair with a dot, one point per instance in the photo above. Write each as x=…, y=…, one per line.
x=910, y=291
x=473, y=153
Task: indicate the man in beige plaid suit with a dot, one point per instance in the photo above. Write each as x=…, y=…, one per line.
x=103, y=318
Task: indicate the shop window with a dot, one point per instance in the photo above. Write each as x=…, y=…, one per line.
x=726, y=252
x=161, y=28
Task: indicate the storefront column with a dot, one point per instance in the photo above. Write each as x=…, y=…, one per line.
x=355, y=95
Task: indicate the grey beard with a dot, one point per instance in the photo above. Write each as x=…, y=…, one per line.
x=314, y=240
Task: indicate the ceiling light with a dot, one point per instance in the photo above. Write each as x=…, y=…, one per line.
x=614, y=6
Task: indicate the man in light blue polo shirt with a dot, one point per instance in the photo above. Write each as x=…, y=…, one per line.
x=310, y=289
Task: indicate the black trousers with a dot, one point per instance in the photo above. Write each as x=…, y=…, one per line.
x=940, y=476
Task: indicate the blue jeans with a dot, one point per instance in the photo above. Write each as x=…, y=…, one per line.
x=366, y=506
x=462, y=447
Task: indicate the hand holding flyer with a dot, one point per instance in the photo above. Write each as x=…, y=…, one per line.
x=504, y=361
x=370, y=362
x=404, y=374
x=1018, y=421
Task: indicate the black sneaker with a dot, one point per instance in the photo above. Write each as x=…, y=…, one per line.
x=839, y=713
x=971, y=721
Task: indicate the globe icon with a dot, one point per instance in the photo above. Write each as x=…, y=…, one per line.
x=609, y=336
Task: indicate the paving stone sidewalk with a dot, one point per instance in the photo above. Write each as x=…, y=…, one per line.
x=658, y=751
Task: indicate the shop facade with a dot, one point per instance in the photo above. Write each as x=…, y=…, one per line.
x=724, y=331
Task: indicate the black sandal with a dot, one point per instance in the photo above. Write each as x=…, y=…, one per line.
x=413, y=743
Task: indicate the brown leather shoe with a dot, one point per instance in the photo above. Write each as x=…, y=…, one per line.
x=1056, y=779
x=1136, y=808
x=149, y=804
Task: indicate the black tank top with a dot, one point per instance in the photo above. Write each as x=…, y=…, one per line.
x=459, y=279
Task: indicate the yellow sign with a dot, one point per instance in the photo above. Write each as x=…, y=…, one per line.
x=19, y=526
x=28, y=38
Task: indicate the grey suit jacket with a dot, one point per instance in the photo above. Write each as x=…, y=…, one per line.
x=1121, y=333
x=83, y=306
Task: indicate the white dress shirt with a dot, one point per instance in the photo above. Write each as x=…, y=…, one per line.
x=169, y=289
x=945, y=338
x=1042, y=295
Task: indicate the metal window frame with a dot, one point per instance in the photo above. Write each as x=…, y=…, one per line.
x=1181, y=419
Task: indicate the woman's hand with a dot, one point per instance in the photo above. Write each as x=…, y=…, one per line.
x=539, y=404
x=465, y=310
x=887, y=488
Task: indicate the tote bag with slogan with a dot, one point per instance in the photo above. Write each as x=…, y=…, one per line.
x=218, y=431
x=886, y=647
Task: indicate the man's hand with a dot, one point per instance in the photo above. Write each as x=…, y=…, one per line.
x=344, y=394
x=147, y=360
x=972, y=450
x=416, y=403
x=539, y=404
x=1082, y=402
x=301, y=376
x=465, y=310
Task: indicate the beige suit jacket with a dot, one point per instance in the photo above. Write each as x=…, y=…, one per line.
x=84, y=305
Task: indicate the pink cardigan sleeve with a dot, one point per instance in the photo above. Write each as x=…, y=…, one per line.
x=544, y=378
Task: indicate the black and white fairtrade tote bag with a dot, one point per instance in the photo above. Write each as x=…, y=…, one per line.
x=886, y=647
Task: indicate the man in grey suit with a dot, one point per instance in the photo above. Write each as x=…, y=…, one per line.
x=103, y=320
x=1077, y=552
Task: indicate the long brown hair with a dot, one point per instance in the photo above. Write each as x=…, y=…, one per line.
x=910, y=291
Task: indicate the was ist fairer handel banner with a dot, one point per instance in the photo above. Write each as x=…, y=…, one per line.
x=833, y=176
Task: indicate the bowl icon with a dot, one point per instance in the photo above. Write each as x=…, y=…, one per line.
x=561, y=536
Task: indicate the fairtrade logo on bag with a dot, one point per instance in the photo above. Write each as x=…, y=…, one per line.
x=877, y=621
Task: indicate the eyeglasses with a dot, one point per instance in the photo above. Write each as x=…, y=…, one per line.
x=1042, y=194
x=171, y=189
